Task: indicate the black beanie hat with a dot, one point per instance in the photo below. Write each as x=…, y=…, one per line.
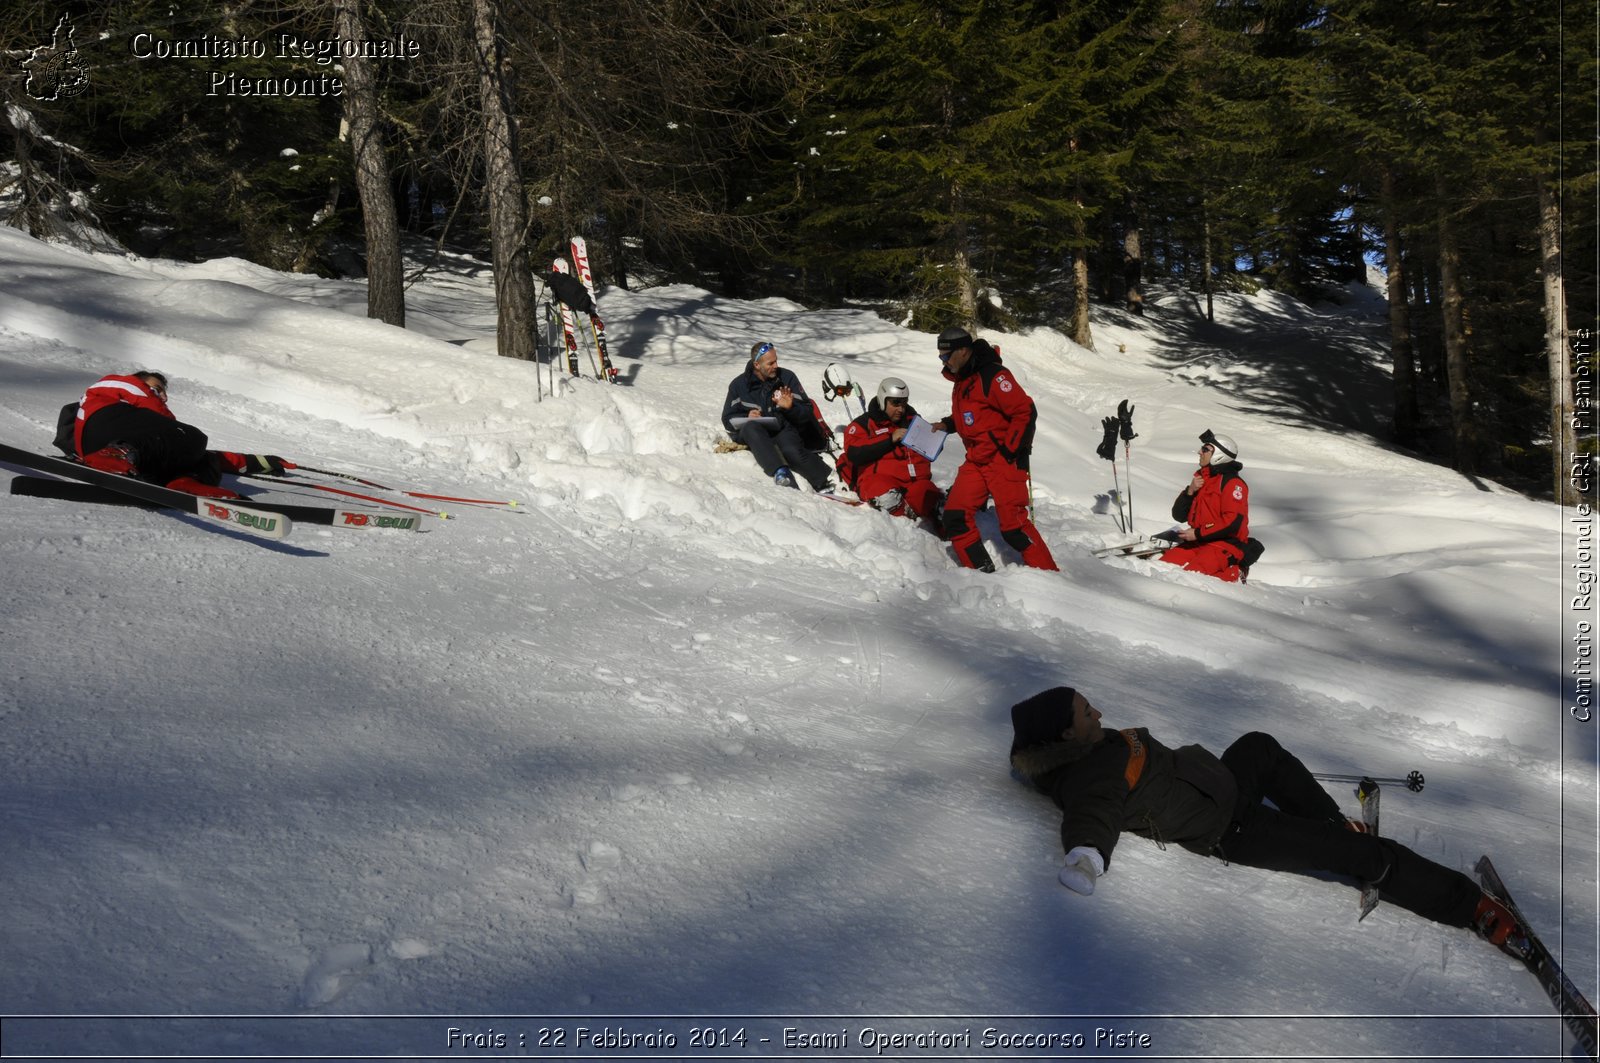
x=1041, y=718
x=954, y=338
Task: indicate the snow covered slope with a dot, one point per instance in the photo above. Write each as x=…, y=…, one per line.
x=670, y=740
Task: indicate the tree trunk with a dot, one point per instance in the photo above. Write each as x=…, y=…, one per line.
x=1405, y=366
x=1207, y=267
x=508, y=208
x=1563, y=430
x=386, y=294
x=1133, y=260
x=1080, y=289
x=966, y=286
x=1452, y=305
x=1080, y=267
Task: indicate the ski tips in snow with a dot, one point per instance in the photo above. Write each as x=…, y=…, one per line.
x=1576, y=1012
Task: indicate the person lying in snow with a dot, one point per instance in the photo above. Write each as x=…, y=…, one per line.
x=1106, y=782
x=122, y=425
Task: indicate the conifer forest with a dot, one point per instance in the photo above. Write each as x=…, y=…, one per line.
x=999, y=164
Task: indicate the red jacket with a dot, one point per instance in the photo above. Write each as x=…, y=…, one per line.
x=110, y=390
x=1220, y=511
x=990, y=411
x=880, y=463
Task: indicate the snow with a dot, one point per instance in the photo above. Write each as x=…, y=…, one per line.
x=667, y=740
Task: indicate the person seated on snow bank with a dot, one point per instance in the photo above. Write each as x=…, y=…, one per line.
x=767, y=410
x=885, y=474
x=1216, y=506
x=1106, y=782
x=122, y=425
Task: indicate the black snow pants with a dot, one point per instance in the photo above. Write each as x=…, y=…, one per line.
x=163, y=448
x=775, y=449
x=1307, y=832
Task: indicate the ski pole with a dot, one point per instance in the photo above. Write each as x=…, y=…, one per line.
x=341, y=475
x=1125, y=423
x=1412, y=782
x=409, y=494
x=349, y=494
x=1108, y=450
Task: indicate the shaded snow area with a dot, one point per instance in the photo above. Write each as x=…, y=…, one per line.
x=668, y=740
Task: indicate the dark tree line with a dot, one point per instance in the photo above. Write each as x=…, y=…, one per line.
x=947, y=160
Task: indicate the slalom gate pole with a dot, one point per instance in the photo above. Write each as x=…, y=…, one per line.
x=1413, y=782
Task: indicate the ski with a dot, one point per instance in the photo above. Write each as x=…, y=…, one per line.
x=266, y=518
x=1149, y=546
x=96, y=494
x=1138, y=548
x=1575, y=1009
x=1367, y=792
x=568, y=327
x=254, y=519
x=580, y=262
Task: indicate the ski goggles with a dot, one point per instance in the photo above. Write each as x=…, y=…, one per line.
x=1209, y=441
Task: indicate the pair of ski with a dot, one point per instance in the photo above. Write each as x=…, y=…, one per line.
x=572, y=302
x=1575, y=1010
x=270, y=520
x=1147, y=547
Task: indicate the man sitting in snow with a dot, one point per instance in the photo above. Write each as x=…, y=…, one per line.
x=1216, y=506
x=767, y=410
x=888, y=475
x=122, y=425
x=1106, y=782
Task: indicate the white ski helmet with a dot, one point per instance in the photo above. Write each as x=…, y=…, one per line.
x=892, y=387
x=1223, y=448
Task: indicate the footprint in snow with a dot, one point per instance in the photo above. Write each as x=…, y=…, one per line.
x=628, y=793
x=600, y=856
x=332, y=974
x=597, y=858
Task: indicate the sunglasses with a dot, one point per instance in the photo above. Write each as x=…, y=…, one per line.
x=894, y=402
x=765, y=349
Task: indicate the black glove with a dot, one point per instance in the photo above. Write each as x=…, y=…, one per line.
x=1125, y=420
x=1108, y=446
x=265, y=465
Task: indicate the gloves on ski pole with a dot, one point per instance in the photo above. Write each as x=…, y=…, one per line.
x=1108, y=446
x=1125, y=421
x=1083, y=865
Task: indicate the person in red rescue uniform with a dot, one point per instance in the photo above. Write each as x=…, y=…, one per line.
x=122, y=424
x=889, y=476
x=1216, y=506
x=994, y=418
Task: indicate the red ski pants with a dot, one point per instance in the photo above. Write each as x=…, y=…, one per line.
x=1213, y=559
x=1008, y=486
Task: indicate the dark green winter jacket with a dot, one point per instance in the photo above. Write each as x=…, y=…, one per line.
x=1129, y=781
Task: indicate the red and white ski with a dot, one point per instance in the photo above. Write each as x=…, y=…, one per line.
x=568, y=327
x=580, y=260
